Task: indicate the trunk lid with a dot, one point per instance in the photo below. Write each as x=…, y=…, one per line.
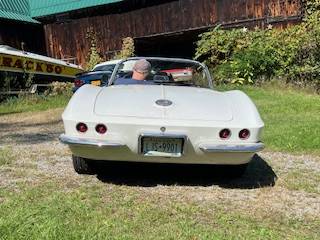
x=129, y=101
x=188, y=103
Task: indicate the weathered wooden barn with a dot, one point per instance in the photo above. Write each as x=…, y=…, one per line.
x=159, y=27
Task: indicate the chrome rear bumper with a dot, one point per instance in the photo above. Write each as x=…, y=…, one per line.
x=88, y=142
x=240, y=148
x=206, y=148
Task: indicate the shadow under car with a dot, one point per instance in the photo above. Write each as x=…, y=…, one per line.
x=258, y=174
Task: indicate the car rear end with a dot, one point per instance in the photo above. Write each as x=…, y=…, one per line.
x=141, y=128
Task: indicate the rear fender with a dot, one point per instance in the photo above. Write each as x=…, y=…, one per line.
x=81, y=105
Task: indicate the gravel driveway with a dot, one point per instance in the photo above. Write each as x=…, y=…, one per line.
x=275, y=183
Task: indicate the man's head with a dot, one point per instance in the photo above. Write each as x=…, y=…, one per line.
x=141, y=69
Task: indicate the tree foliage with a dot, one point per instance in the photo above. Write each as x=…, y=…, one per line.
x=245, y=57
x=127, y=49
x=94, y=57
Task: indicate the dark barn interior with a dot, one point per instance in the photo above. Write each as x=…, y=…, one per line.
x=15, y=33
x=180, y=44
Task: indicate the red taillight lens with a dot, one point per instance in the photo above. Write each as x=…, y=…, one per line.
x=244, y=134
x=78, y=83
x=225, y=133
x=82, y=127
x=101, y=129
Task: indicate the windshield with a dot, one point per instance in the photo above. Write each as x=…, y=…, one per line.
x=108, y=67
x=167, y=72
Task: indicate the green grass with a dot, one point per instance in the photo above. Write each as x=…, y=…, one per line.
x=291, y=117
x=46, y=212
x=6, y=156
x=32, y=104
x=303, y=180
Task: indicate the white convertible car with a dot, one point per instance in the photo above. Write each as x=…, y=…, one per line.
x=176, y=118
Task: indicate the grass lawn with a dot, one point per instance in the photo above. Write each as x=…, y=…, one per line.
x=292, y=118
x=32, y=104
x=96, y=212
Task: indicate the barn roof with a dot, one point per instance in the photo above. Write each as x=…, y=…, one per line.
x=50, y=7
x=18, y=10
x=26, y=10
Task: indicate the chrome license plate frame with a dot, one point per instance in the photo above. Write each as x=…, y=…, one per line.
x=162, y=146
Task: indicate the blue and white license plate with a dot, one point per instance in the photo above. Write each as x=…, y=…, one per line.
x=161, y=146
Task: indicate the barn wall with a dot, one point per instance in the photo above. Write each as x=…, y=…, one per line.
x=13, y=33
x=69, y=38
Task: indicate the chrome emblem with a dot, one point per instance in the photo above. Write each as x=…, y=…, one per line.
x=163, y=102
x=162, y=129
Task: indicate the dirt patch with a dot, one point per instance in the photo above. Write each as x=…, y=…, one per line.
x=263, y=191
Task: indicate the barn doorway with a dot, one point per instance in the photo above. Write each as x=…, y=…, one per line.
x=179, y=45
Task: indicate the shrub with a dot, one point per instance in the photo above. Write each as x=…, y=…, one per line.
x=239, y=55
x=60, y=88
x=127, y=49
x=217, y=46
x=245, y=57
x=94, y=56
x=15, y=81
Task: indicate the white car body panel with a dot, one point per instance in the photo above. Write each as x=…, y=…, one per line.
x=139, y=101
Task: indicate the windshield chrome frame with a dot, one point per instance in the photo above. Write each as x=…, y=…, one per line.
x=205, y=68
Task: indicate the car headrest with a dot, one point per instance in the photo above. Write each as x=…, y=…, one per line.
x=161, y=78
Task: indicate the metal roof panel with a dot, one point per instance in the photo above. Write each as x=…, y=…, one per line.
x=16, y=17
x=18, y=10
x=50, y=7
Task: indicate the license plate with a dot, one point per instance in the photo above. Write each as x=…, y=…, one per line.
x=96, y=82
x=161, y=146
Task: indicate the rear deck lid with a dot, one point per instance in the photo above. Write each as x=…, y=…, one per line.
x=129, y=101
x=190, y=103
x=186, y=103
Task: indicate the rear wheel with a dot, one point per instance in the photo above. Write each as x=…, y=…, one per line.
x=82, y=165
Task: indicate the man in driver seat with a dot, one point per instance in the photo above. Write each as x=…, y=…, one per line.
x=141, y=70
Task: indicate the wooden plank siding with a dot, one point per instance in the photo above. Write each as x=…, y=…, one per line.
x=69, y=38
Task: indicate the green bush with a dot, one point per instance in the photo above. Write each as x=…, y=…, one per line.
x=60, y=88
x=239, y=55
x=245, y=57
x=127, y=49
x=94, y=56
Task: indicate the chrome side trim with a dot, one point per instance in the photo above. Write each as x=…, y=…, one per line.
x=87, y=142
x=162, y=135
x=240, y=148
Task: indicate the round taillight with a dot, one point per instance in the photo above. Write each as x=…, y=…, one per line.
x=225, y=133
x=82, y=127
x=244, y=134
x=101, y=129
